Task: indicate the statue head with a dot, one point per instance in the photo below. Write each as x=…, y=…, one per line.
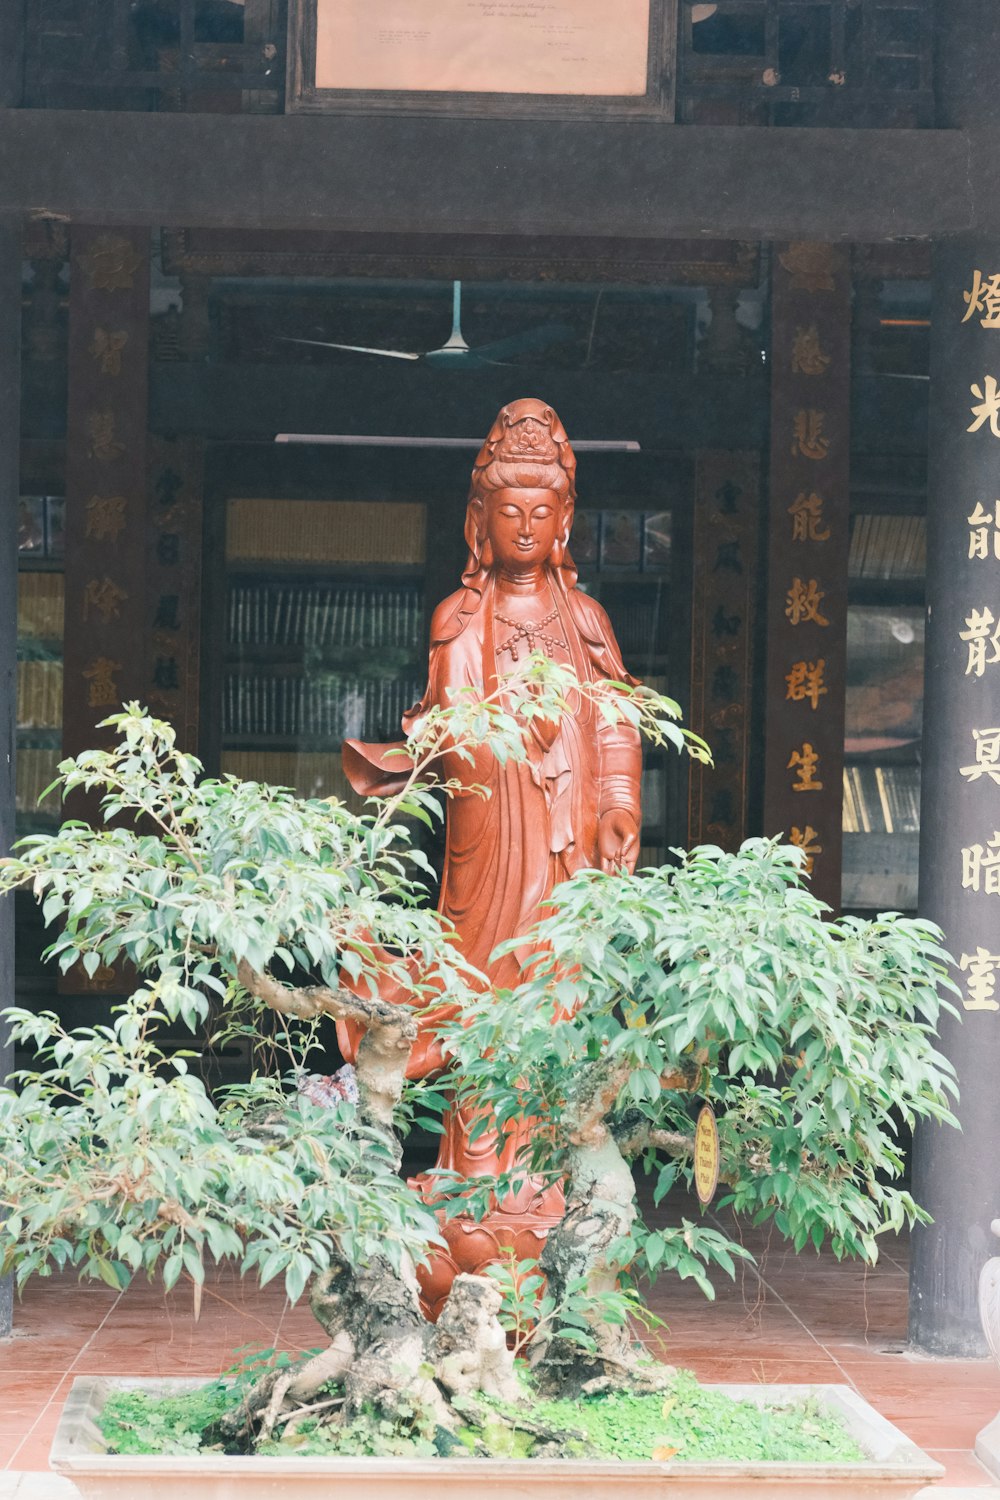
x=526, y=449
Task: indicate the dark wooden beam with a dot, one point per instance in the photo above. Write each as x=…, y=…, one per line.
x=238, y=402
x=10, y=385
x=965, y=79
x=634, y=180
x=11, y=53
x=255, y=401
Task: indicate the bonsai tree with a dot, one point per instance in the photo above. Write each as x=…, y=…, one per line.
x=716, y=980
x=241, y=908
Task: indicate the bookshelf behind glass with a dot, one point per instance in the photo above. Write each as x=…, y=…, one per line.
x=325, y=636
x=40, y=609
x=884, y=720
x=325, y=632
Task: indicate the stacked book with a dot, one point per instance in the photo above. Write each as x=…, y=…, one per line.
x=327, y=706
x=891, y=546
x=307, y=773
x=331, y=531
x=635, y=622
x=39, y=694
x=881, y=799
x=40, y=604
x=291, y=613
x=36, y=771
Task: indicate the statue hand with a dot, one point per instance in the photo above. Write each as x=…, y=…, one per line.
x=618, y=840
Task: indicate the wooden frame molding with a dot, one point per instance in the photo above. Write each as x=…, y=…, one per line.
x=305, y=93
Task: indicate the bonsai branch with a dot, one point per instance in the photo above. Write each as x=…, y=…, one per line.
x=390, y=1032
x=645, y=1137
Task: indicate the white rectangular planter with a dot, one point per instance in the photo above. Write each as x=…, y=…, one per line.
x=895, y=1467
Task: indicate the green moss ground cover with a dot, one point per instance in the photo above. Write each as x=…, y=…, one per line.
x=690, y=1423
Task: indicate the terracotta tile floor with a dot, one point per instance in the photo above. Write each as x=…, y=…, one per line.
x=800, y=1318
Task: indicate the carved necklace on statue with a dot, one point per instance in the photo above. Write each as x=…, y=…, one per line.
x=532, y=633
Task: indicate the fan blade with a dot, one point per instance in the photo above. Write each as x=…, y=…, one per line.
x=352, y=348
x=532, y=338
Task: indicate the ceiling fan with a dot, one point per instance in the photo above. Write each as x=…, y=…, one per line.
x=456, y=353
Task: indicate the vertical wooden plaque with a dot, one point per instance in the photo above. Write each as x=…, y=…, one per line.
x=807, y=556
x=726, y=525
x=105, y=478
x=104, y=661
x=173, y=576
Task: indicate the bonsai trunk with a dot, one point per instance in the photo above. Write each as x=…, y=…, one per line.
x=600, y=1210
x=382, y=1355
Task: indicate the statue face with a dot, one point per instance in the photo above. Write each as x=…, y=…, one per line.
x=522, y=525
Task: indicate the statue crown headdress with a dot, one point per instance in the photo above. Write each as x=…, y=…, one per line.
x=527, y=432
x=527, y=437
x=527, y=445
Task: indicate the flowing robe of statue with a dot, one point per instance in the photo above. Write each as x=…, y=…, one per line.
x=543, y=818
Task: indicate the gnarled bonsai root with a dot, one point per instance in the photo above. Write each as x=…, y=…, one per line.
x=384, y=1358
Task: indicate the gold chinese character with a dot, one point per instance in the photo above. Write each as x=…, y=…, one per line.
x=981, y=867
x=805, y=839
x=981, y=968
x=103, y=443
x=803, y=602
x=980, y=522
x=987, y=756
x=809, y=440
x=807, y=355
x=977, y=634
x=105, y=597
x=103, y=688
x=804, y=763
x=106, y=517
x=810, y=265
x=805, y=680
x=107, y=347
x=984, y=298
x=988, y=409
x=806, y=512
x=111, y=263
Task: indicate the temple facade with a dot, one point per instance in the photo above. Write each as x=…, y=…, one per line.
x=268, y=270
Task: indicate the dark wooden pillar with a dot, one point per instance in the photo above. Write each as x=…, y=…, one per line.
x=12, y=26
x=104, y=661
x=173, y=584
x=955, y=1175
x=105, y=656
x=724, y=578
x=807, y=555
x=10, y=391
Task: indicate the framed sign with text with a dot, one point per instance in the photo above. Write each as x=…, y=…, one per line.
x=501, y=58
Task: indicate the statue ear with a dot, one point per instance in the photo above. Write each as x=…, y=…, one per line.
x=560, y=547
x=486, y=553
x=475, y=526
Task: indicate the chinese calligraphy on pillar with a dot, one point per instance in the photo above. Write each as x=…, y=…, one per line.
x=105, y=508
x=173, y=572
x=960, y=854
x=807, y=556
x=726, y=523
x=977, y=544
x=960, y=784
x=105, y=496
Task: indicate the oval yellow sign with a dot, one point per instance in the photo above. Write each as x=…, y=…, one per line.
x=706, y=1155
